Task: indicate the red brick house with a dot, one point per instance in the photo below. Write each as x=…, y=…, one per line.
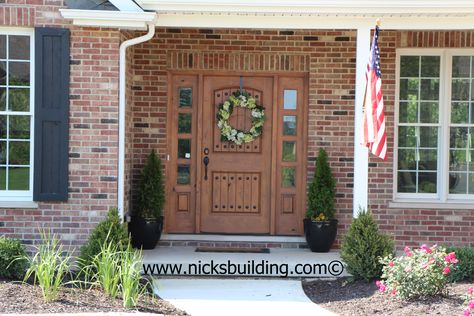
x=88, y=90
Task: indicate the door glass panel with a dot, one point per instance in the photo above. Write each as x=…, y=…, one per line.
x=185, y=97
x=289, y=125
x=184, y=148
x=290, y=98
x=289, y=151
x=183, y=174
x=184, y=123
x=288, y=177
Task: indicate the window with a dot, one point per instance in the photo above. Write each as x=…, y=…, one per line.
x=435, y=120
x=16, y=116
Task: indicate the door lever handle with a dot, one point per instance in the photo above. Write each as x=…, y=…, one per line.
x=205, y=160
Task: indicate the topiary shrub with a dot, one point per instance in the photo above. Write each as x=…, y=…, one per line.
x=12, y=258
x=109, y=230
x=322, y=191
x=151, y=192
x=464, y=269
x=363, y=246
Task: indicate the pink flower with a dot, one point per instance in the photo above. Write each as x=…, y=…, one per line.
x=451, y=258
x=467, y=313
x=407, y=251
x=470, y=290
x=381, y=286
x=393, y=292
x=408, y=269
x=425, y=248
x=391, y=264
x=471, y=304
x=446, y=270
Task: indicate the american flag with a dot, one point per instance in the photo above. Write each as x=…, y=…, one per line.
x=374, y=136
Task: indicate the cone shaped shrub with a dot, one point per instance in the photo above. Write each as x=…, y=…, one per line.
x=363, y=246
x=151, y=192
x=322, y=190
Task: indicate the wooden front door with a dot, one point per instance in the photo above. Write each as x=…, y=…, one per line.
x=236, y=194
x=253, y=188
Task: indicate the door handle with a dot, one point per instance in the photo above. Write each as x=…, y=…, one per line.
x=205, y=161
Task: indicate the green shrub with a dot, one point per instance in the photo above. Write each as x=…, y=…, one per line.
x=49, y=266
x=363, y=246
x=12, y=262
x=151, y=192
x=420, y=272
x=110, y=229
x=464, y=269
x=322, y=190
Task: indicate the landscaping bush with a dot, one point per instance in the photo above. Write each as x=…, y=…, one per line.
x=322, y=191
x=363, y=246
x=130, y=276
x=109, y=230
x=464, y=269
x=421, y=272
x=12, y=262
x=49, y=266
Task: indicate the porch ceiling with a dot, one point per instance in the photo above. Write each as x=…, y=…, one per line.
x=395, y=14
x=352, y=8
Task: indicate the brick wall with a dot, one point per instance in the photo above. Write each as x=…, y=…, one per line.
x=93, y=128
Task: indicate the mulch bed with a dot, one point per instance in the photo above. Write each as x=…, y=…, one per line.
x=362, y=298
x=21, y=298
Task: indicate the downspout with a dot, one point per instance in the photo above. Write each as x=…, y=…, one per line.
x=122, y=106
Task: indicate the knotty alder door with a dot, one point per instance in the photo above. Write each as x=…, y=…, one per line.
x=236, y=195
x=253, y=188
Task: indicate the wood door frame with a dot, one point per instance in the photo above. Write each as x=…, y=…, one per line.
x=170, y=183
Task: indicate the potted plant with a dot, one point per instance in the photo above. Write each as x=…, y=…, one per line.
x=146, y=222
x=320, y=226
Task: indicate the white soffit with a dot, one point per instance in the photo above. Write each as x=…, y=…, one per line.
x=361, y=8
x=102, y=18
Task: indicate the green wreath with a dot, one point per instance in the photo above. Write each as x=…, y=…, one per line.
x=224, y=111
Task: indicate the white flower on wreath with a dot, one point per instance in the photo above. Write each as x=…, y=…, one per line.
x=257, y=113
x=226, y=105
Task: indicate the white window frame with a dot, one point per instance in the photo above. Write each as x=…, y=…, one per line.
x=23, y=195
x=442, y=196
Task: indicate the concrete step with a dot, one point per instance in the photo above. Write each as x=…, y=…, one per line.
x=279, y=262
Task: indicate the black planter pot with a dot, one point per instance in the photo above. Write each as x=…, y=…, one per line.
x=320, y=235
x=145, y=233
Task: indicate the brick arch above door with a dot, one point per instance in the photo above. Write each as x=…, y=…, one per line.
x=237, y=61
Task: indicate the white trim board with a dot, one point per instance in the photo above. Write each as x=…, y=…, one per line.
x=238, y=238
x=102, y=18
x=126, y=5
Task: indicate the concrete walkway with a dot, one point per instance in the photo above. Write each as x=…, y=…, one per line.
x=209, y=297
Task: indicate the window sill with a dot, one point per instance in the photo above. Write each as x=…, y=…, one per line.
x=449, y=205
x=18, y=204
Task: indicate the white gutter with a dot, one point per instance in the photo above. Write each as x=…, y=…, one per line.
x=122, y=106
x=131, y=20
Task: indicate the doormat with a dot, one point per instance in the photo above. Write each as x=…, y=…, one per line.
x=233, y=250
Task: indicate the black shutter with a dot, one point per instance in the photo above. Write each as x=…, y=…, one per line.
x=51, y=114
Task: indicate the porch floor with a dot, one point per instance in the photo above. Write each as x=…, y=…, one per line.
x=280, y=262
